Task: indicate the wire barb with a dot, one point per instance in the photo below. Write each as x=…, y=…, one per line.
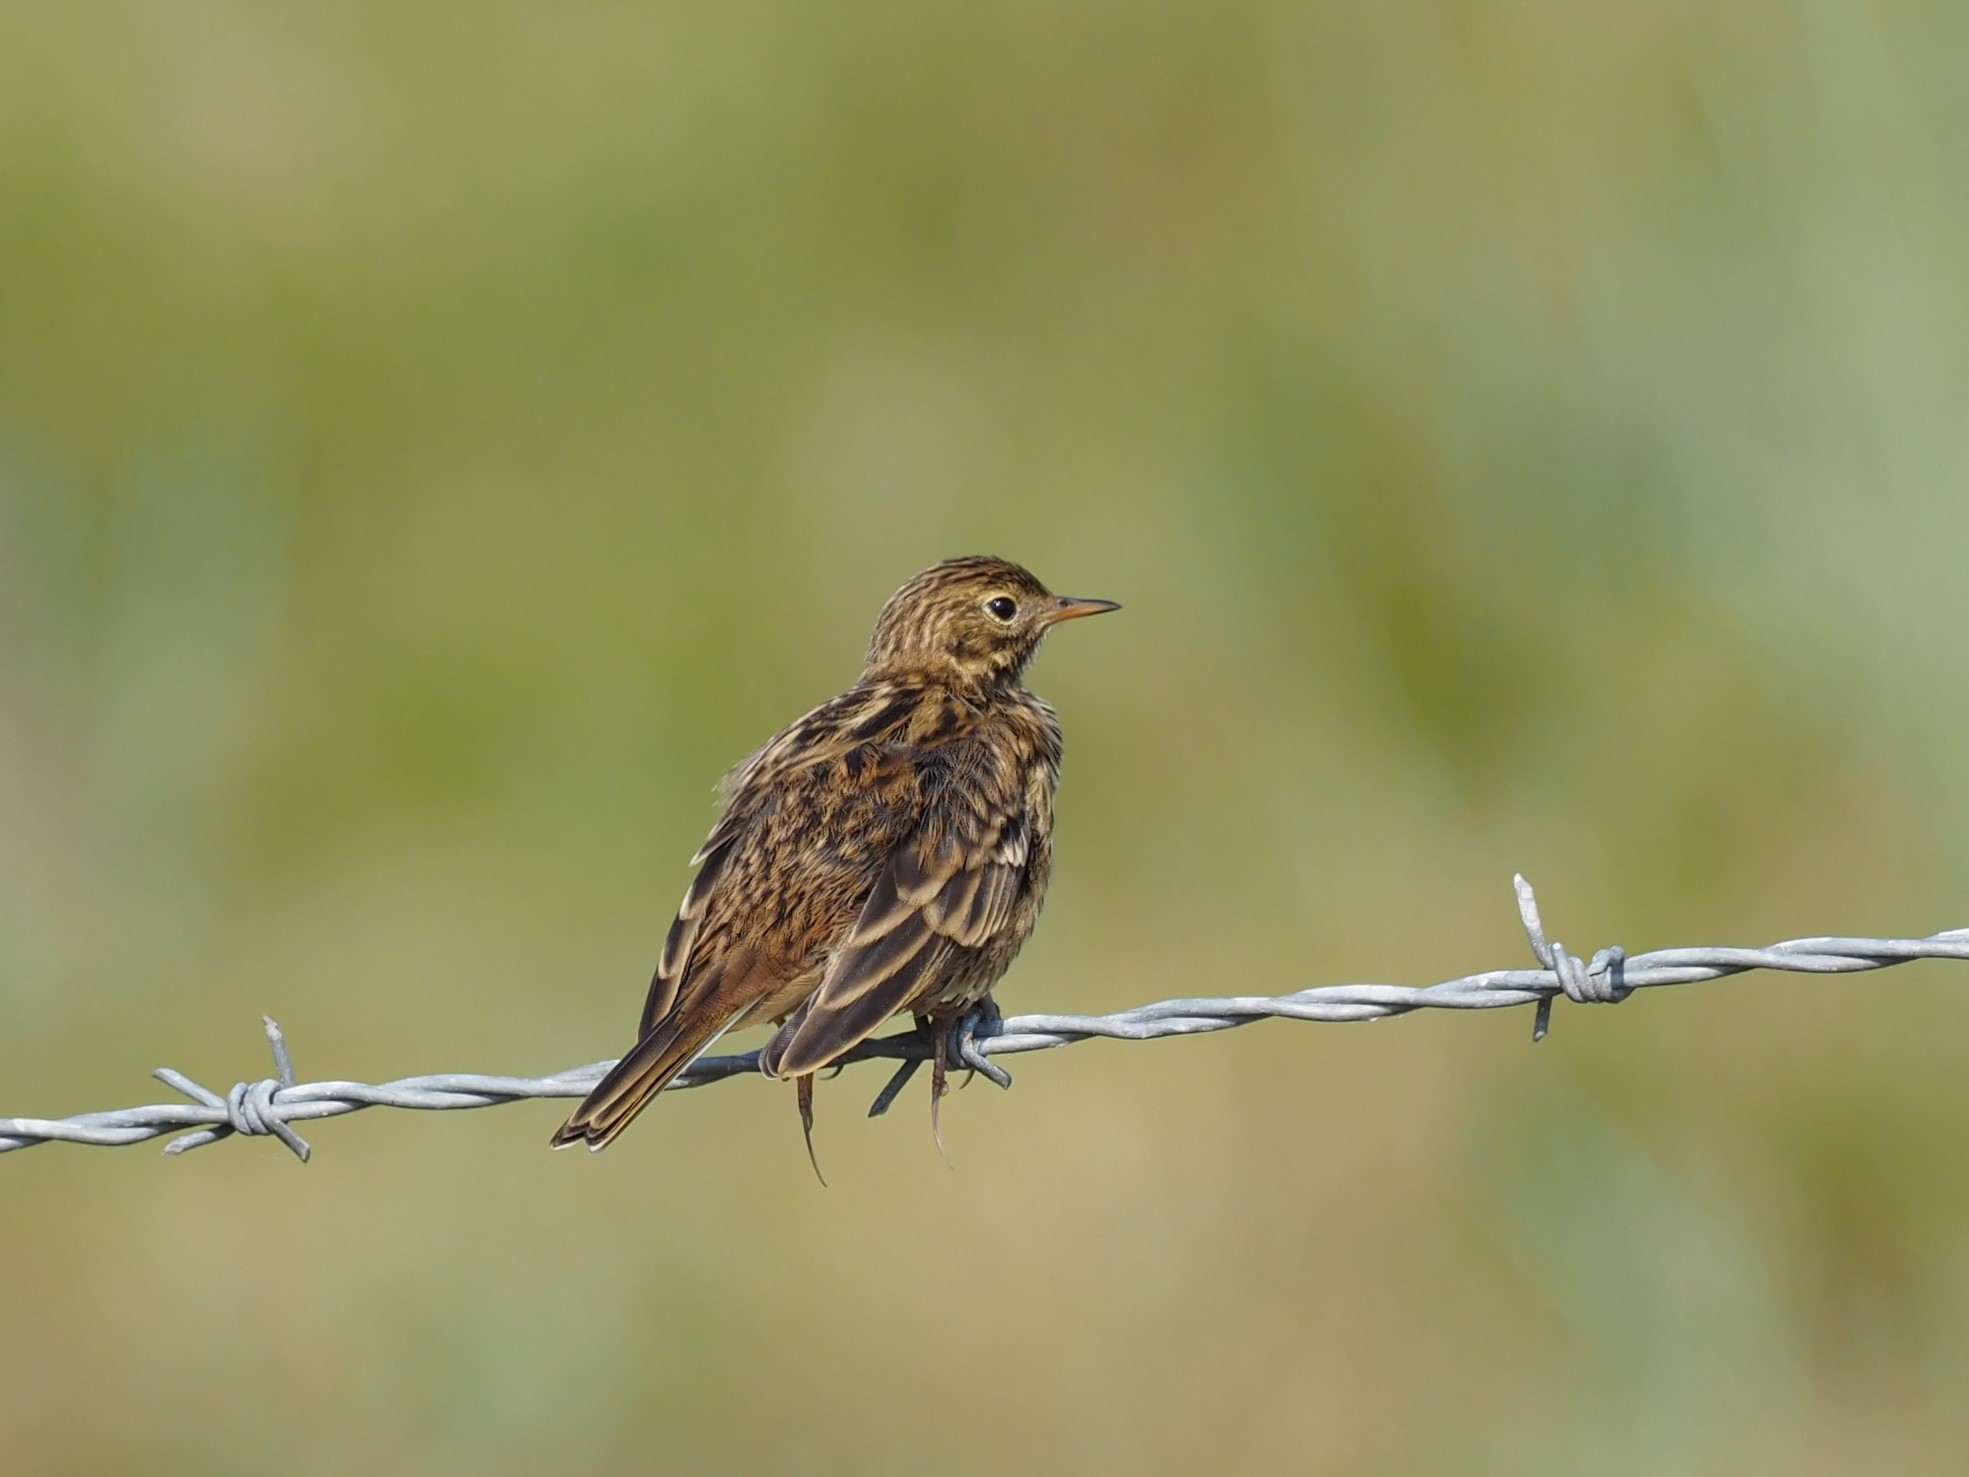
x=271, y=1106
x=1602, y=982
x=250, y=1106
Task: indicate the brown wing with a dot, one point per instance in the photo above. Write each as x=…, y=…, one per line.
x=756, y=791
x=673, y=964
x=809, y=823
x=812, y=824
x=952, y=885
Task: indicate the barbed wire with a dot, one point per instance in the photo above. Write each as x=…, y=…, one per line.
x=271, y=1106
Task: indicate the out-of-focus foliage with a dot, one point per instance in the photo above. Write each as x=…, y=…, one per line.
x=435, y=441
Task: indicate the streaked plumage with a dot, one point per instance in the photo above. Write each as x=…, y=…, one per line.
x=888, y=852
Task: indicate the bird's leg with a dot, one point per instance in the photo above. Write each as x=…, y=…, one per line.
x=803, y=1088
x=980, y=1023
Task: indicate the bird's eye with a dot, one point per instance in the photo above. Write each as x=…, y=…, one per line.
x=1002, y=607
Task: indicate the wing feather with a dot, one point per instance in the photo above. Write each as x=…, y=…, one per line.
x=807, y=827
x=951, y=886
x=673, y=964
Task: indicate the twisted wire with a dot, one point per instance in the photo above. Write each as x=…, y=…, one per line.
x=271, y=1106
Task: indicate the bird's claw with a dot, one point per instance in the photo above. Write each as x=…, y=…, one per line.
x=805, y=1094
x=977, y=1025
x=964, y=1044
x=896, y=1084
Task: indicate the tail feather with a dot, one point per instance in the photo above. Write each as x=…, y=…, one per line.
x=627, y=1087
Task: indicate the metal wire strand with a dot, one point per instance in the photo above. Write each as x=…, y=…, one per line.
x=271, y=1106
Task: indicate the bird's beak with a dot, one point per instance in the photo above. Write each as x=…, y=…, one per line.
x=1066, y=608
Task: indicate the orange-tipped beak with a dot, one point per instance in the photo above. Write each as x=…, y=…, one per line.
x=1066, y=608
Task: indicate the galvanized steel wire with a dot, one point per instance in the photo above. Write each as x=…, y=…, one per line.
x=271, y=1106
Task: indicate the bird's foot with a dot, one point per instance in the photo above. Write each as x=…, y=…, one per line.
x=958, y=1041
x=976, y=1026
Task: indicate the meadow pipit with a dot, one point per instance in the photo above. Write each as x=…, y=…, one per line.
x=888, y=852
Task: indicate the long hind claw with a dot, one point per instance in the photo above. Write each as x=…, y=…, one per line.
x=939, y=1081
x=804, y=1090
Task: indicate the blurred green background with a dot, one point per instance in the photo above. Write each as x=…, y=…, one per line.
x=434, y=444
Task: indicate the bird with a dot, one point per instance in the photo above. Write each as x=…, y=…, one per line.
x=887, y=852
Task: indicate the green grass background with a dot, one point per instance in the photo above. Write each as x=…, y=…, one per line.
x=436, y=441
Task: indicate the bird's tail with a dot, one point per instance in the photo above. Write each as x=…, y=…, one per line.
x=627, y=1087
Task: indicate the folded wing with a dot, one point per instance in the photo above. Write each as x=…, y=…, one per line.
x=950, y=887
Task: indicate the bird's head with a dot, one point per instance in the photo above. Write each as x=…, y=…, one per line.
x=974, y=622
